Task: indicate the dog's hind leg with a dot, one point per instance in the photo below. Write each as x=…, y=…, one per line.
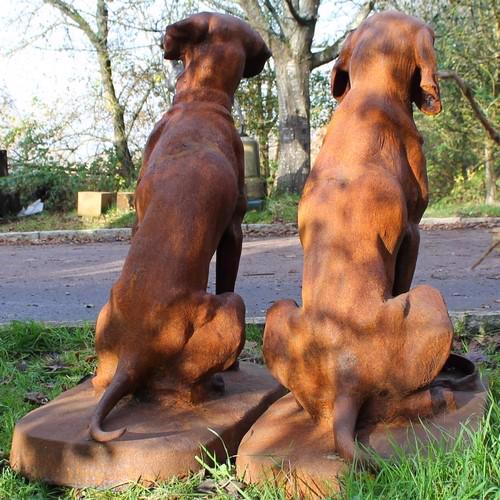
x=217, y=339
x=277, y=337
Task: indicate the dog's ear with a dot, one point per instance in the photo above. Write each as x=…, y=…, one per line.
x=257, y=55
x=339, y=80
x=188, y=31
x=425, y=88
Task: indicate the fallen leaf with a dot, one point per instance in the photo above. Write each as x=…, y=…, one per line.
x=22, y=366
x=207, y=486
x=234, y=488
x=54, y=363
x=56, y=367
x=477, y=357
x=6, y=380
x=36, y=398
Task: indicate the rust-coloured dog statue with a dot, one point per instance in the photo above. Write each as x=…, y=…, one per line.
x=160, y=331
x=363, y=341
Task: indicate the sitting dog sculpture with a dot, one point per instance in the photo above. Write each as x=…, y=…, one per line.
x=161, y=332
x=362, y=340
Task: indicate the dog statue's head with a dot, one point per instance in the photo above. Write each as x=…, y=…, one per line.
x=217, y=38
x=397, y=43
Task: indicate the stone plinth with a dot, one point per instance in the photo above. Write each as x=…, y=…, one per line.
x=125, y=200
x=255, y=188
x=94, y=203
x=162, y=440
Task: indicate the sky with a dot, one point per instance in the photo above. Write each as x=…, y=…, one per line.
x=40, y=78
x=42, y=71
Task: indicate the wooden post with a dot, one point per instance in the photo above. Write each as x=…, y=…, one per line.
x=4, y=170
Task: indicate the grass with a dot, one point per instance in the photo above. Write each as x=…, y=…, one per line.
x=54, y=221
x=254, y=334
x=281, y=208
x=462, y=210
x=38, y=362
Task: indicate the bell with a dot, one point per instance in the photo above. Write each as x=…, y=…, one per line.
x=255, y=185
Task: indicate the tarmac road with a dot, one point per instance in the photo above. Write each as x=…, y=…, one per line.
x=70, y=282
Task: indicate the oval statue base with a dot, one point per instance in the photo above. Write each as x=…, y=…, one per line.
x=162, y=440
x=286, y=447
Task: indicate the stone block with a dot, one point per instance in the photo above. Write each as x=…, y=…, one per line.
x=125, y=200
x=94, y=203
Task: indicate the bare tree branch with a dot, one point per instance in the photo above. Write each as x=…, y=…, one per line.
x=252, y=10
x=332, y=51
x=303, y=21
x=102, y=23
x=224, y=7
x=276, y=17
x=138, y=109
x=469, y=95
x=76, y=17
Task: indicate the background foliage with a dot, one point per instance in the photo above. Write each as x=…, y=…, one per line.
x=61, y=150
x=467, y=42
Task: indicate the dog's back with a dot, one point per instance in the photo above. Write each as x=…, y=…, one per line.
x=161, y=330
x=368, y=187
x=190, y=181
x=362, y=334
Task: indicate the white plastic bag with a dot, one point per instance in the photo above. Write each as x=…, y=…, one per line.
x=33, y=208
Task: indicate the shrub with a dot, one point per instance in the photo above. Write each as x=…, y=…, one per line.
x=52, y=184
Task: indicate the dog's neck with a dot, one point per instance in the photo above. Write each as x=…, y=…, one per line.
x=387, y=83
x=209, y=77
x=202, y=95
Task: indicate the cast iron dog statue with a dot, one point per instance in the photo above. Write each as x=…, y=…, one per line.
x=362, y=342
x=161, y=332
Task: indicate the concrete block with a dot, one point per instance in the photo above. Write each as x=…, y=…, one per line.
x=94, y=203
x=125, y=200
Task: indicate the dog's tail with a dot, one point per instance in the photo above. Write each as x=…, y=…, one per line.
x=120, y=386
x=346, y=412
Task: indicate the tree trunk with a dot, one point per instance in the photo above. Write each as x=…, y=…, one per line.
x=120, y=142
x=99, y=40
x=288, y=28
x=292, y=80
x=490, y=177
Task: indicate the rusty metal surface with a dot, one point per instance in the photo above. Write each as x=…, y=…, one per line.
x=52, y=444
x=287, y=446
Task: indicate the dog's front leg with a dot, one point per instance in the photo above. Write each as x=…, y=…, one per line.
x=229, y=252
x=406, y=261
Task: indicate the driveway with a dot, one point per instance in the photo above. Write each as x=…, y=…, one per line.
x=70, y=282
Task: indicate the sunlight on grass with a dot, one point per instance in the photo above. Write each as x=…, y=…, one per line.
x=462, y=210
x=277, y=209
x=281, y=208
x=55, y=221
x=38, y=362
